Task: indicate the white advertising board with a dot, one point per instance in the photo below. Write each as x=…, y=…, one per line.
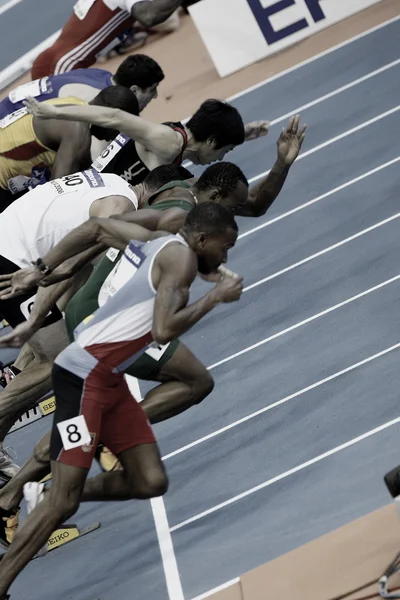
x=238, y=33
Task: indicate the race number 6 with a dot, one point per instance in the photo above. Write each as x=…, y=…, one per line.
x=74, y=433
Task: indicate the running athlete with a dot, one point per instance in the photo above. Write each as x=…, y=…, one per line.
x=30, y=226
x=63, y=148
x=148, y=304
x=138, y=72
x=184, y=379
x=214, y=129
x=94, y=24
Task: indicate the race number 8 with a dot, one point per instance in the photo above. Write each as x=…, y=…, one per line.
x=74, y=432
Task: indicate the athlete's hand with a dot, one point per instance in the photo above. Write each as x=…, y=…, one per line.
x=291, y=140
x=20, y=282
x=18, y=337
x=229, y=288
x=216, y=275
x=42, y=110
x=255, y=130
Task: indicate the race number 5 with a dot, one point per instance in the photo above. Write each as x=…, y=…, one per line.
x=74, y=432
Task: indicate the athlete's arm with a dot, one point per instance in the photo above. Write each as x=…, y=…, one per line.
x=170, y=220
x=162, y=140
x=263, y=194
x=172, y=316
x=153, y=12
x=73, y=153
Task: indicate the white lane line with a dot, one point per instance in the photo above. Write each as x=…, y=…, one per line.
x=286, y=474
x=169, y=562
x=322, y=197
x=313, y=58
x=220, y=588
x=168, y=558
x=335, y=139
x=321, y=253
x=9, y=5
x=314, y=385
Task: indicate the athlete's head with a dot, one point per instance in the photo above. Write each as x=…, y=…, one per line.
x=164, y=174
x=115, y=96
x=142, y=75
x=223, y=183
x=217, y=128
x=211, y=232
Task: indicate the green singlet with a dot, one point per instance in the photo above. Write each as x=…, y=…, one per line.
x=85, y=302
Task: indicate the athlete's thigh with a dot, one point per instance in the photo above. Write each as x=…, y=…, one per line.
x=75, y=397
x=183, y=366
x=48, y=342
x=125, y=424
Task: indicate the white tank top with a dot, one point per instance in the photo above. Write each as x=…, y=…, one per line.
x=32, y=225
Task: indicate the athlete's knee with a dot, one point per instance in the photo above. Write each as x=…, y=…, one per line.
x=202, y=386
x=62, y=505
x=41, y=451
x=155, y=482
x=43, y=64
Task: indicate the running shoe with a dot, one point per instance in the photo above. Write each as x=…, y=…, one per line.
x=9, y=521
x=33, y=494
x=8, y=468
x=106, y=460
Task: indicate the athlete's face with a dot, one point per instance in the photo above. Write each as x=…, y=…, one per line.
x=232, y=202
x=145, y=95
x=207, y=153
x=212, y=250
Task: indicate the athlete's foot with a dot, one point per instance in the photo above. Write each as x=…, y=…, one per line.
x=107, y=460
x=8, y=468
x=9, y=521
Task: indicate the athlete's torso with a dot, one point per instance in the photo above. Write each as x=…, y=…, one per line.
x=81, y=83
x=20, y=149
x=93, y=294
x=32, y=225
x=121, y=157
x=120, y=330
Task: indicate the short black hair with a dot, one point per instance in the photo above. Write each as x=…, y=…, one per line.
x=140, y=70
x=217, y=120
x=222, y=175
x=166, y=173
x=211, y=218
x=117, y=96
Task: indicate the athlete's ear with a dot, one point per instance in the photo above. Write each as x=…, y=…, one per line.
x=135, y=89
x=214, y=196
x=211, y=142
x=201, y=239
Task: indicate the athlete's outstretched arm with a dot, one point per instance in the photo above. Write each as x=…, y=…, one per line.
x=162, y=140
x=171, y=220
x=177, y=270
x=263, y=194
x=153, y=12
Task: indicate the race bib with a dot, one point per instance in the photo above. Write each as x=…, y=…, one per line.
x=82, y=8
x=123, y=271
x=33, y=89
x=157, y=351
x=112, y=254
x=12, y=117
x=74, y=433
x=84, y=180
x=110, y=152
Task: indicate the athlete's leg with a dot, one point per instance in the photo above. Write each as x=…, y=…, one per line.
x=143, y=476
x=185, y=382
x=60, y=503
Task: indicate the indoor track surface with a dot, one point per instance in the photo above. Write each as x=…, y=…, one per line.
x=304, y=420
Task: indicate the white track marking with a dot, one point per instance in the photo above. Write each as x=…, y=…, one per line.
x=336, y=138
x=170, y=565
x=313, y=58
x=314, y=385
x=220, y=588
x=300, y=467
x=322, y=252
x=9, y=5
x=168, y=558
x=322, y=197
